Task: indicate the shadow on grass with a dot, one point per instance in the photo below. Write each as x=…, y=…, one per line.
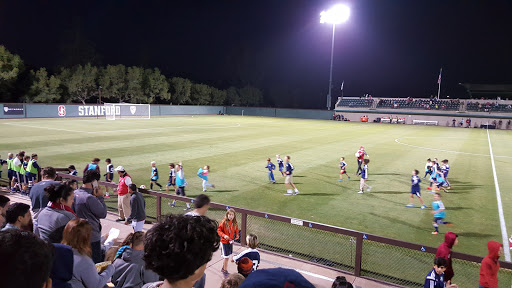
x=458, y=208
x=222, y=191
x=387, y=192
x=395, y=220
x=387, y=174
x=475, y=234
x=320, y=194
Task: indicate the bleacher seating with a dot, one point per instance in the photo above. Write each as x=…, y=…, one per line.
x=353, y=103
x=425, y=104
x=488, y=107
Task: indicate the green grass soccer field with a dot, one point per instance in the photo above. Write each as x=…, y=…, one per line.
x=236, y=149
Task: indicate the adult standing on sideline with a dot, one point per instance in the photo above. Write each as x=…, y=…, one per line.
x=123, y=197
x=90, y=205
x=37, y=195
x=360, y=157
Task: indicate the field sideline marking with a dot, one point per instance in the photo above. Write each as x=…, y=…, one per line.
x=504, y=234
x=397, y=140
x=49, y=128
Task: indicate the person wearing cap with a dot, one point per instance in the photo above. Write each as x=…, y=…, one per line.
x=123, y=197
x=244, y=266
x=360, y=157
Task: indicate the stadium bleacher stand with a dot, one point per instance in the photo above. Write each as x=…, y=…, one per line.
x=426, y=104
x=363, y=102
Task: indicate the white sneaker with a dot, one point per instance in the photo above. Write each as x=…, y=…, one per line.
x=360, y=192
x=296, y=192
x=369, y=189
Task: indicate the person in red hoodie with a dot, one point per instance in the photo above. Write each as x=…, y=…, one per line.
x=228, y=232
x=490, y=266
x=445, y=250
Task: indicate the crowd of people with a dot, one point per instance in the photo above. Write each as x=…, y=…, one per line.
x=58, y=238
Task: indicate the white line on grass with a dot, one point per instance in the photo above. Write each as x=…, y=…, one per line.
x=39, y=127
x=397, y=140
x=504, y=234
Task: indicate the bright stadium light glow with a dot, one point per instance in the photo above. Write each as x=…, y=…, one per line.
x=336, y=15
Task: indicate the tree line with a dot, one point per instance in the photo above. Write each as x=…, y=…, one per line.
x=111, y=83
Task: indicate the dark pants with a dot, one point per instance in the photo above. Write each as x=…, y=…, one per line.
x=359, y=163
x=97, y=254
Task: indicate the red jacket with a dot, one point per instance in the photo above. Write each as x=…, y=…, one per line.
x=231, y=231
x=445, y=251
x=490, y=266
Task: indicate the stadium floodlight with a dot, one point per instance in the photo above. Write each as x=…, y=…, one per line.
x=336, y=15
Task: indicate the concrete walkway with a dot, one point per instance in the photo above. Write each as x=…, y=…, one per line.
x=318, y=275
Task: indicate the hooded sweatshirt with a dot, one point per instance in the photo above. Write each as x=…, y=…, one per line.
x=445, y=251
x=130, y=270
x=490, y=266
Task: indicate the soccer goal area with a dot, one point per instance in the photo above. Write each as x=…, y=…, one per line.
x=118, y=111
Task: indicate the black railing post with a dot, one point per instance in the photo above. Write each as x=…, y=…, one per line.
x=243, y=234
x=359, y=255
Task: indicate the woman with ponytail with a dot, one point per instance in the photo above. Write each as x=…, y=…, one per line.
x=54, y=217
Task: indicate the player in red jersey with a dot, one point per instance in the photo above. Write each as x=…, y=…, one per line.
x=360, y=157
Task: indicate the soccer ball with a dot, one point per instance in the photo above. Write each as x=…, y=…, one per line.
x=142, y=186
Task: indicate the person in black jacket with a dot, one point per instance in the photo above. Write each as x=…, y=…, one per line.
x=138, y=209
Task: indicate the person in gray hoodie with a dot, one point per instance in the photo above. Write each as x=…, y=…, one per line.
x=138, y=209
x=77, y=234
x=53, y=218
x=90, y=205
x=130, y=270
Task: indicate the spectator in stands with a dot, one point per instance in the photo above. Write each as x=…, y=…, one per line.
x=244, y=266
x=341, y=282
x=436, y=277
x=445, y=250
x=17, y=216
x=123, y=198
x=90, y=205
x=276, y=277
x=178, y=249
x=138, y=209
x=490, y=266
x=4, y=205
x=130, y=270
x=53, y=219
x=94, y=165
x=27, y=260
x=62, y=268
x=251, y=252
x=201, y=205
x=234, y=280
x=38, y=196
x=77, y=234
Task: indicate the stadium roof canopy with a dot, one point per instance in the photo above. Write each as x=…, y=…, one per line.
x=488, y=89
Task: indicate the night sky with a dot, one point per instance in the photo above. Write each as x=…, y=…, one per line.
x=388, y=48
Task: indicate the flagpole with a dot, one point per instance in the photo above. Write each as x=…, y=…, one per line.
x=439, y=83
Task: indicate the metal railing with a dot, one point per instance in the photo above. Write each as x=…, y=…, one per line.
x=364, y=255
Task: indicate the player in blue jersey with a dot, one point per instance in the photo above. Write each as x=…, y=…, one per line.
x=203, y=174
x=94, y=165
x=154, y=176
x=435, y=278
x=172, y=177
x=251, y=252
x=280, y=164
x=428, y=168
x=439, y=181
x=180, y=184
x=364, y=177
x=445, y=169
x=343, y=168
x=433, y=174
x=415, y=189
x=439, y=212
x=271, y=167
x=288, y=181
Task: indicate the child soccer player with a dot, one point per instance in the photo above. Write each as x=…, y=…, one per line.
x=280, y=164
x=364, y=177
x=288, y=181
x=72, y=170
x=23, y=175
x=2, y=163
x=343, y=167
x=428, y=168
x=10, y=169
x=154, y=176
x=439, y=213
x=17, y=165
x=203, y=174
x=251, y=252
x=439, y=181
x=271, y=167
x=32, y=169
x=433, y=173
x=180, y=184
x=415, y=189
x=138, y=209
x=445, y=169
x=109, y=176
x=228, y=232
x=172, y=177
x=435, y=279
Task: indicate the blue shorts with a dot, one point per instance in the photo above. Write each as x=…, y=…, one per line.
x=109, y=177
x=170, y=184
x=10, y=174
x=226, y=250
x=438, y=220
x=154, y=179
x=20, y=177
x=416, y=191
x=31, y=177
x=281, y=169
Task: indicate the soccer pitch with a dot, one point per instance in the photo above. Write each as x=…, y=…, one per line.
x=236, y=149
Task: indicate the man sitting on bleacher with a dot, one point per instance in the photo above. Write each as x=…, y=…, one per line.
x=37, y=195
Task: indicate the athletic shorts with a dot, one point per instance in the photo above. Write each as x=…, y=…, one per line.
x=109, y=177
x=180, y=191
x=10, y=174
x=416, y=191
x=343, y=172
x=288, y=179
x=441, y=184
x=21, y=178
x=154, y=179
x=170, y=184
x=438, y=220
x=31, y=177
x=226, y=250
x=281, y=169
